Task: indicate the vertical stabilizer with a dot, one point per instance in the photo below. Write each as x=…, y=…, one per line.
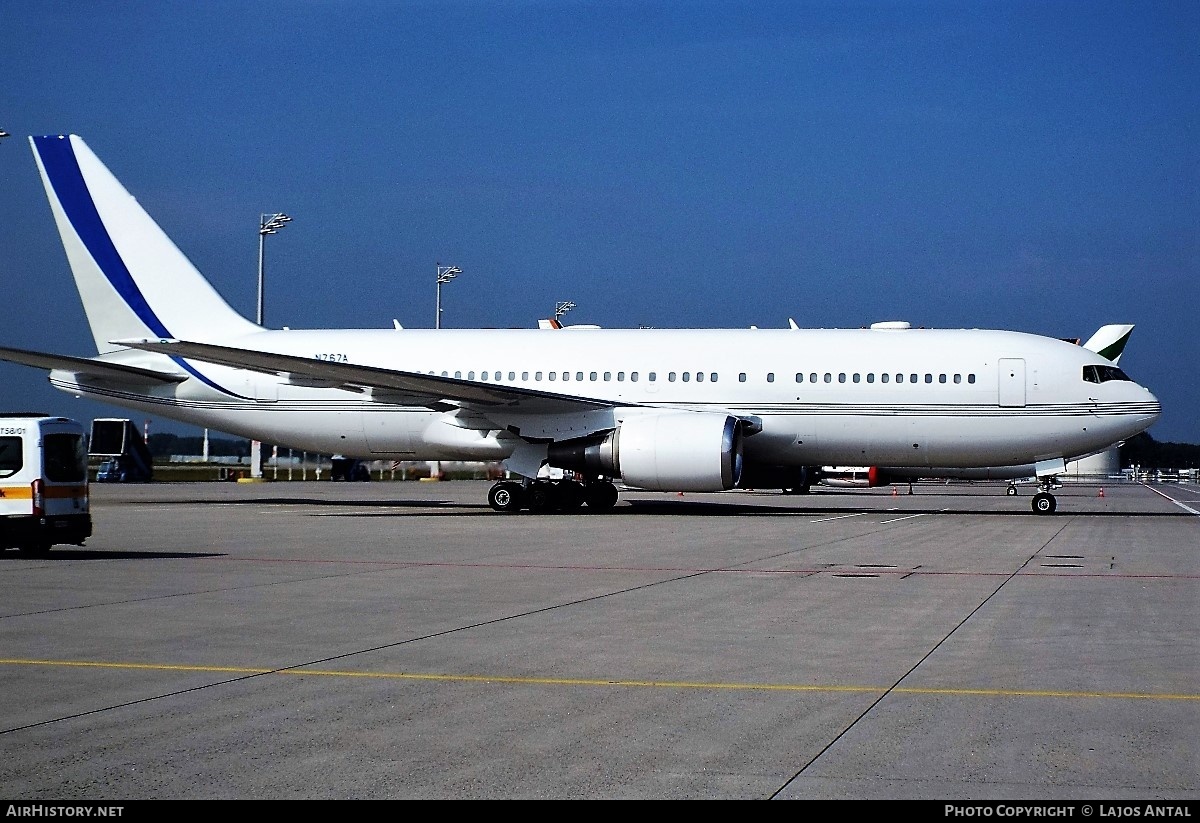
x=1109, y=341
x=133, y=281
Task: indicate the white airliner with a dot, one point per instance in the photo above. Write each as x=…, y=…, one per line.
x=656, y=409
x=1108, y=341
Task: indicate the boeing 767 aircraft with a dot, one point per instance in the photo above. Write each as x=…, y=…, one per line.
x=656, y=409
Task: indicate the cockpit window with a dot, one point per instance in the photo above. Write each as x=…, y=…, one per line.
x=1102, y=374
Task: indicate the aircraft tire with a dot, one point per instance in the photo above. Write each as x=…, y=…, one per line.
x=506, y=496
x=539, y=497
x=568, y=495
x=601, y=496
x=1044, y=503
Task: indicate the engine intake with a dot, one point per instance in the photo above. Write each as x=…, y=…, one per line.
x=676, y=451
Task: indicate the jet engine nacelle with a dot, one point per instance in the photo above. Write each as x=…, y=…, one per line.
x=676, y=451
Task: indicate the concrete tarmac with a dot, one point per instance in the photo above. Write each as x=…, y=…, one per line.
x=401, y=640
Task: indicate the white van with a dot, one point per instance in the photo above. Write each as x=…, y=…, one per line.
x=43, y=483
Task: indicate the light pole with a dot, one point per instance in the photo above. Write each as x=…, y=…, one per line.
x=562, y=307
x=444, y=275
x=267, y=224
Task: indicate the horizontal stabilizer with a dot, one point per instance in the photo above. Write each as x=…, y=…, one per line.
x=85, y=367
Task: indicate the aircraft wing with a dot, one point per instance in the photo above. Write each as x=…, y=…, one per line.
x=391, y=385
x=87, y=367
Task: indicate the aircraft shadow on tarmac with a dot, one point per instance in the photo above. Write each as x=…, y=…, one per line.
x=76, y=553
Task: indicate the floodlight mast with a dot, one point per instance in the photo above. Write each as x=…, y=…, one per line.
x=444, y=275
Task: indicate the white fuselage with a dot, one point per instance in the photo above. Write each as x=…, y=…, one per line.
x=891, y=397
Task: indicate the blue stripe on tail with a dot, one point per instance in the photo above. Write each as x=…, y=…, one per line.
x=58, y=158
x=66, y=178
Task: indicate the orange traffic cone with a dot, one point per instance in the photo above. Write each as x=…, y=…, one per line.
x=1101, y=491
x=895, y=492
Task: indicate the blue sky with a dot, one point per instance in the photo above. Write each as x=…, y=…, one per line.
x=1023, y=165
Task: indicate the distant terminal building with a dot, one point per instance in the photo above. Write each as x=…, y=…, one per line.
x=1105, y=464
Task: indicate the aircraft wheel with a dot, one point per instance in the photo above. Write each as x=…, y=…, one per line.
x=1012, y=491
x=506, y=496
x=601, y=496
x=568, y=495
x=1044, y=503
x=539, y=497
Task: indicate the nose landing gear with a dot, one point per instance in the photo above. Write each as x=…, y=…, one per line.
x=1043, y=501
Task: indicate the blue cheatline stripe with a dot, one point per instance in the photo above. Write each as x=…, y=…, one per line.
x=62, y=168
x=58, y=159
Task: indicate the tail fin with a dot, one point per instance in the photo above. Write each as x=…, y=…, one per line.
x=1109, y=341
x=133, y=281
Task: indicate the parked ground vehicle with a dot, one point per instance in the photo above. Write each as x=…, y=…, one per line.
x=43, y=483
x=126, y=456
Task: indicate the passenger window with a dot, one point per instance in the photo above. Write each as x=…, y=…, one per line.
x=741, y=377
x=537, y=375
x=11, y=457
x=633, y=377
x=524, y=375
x=856, y=377
x=579, y=376
x=970, y=378
x=552, y=375
x=812, y=378
x=828, y=377
x=842, y=377
x=799, y=377
x=566, y=376
x=699, y=377
x=607, y=376
x=483, y=376
x=770, y=377
x=458, y=375
x=620, y=377
x=883, y=378
x=870, y=377
x=670, y=377
x=653, y=377
x=687, y=376
x=941, y=378
x=712, y=378
x=929, y=378
x=958, y=378
x=913, y=378
x=592, y=377
x=471, y=375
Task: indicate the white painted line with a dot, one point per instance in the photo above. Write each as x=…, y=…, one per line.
x=839, y=517
x=1183, y=506
x=898, y=519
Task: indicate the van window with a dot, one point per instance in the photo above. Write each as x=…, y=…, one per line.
x=65, y=458
x=10, y=456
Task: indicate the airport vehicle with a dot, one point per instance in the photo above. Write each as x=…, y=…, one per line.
x=43, y=483
x=657, y=409
x=126, y=458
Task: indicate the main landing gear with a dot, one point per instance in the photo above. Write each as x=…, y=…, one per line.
x=543, y=496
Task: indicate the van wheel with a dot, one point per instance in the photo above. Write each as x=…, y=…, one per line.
x=39, y=549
